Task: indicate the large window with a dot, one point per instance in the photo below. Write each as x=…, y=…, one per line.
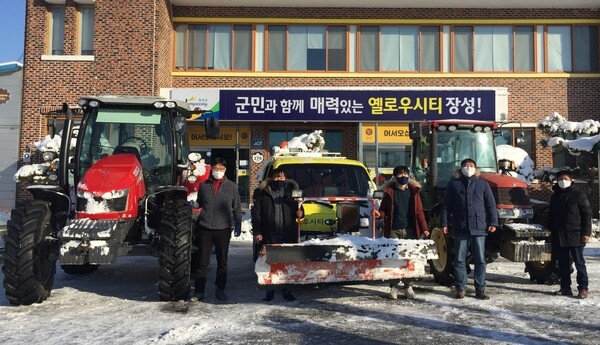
x=523, y=48
x=86, y=30
x=57, y=30
x=572, y=48
x=399, y=48
x=213, y=47
x=333, y=137
x=306, y=48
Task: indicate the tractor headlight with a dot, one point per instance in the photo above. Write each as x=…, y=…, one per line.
x=52, y=177
x=159, y=105
x=115, y=194
x=49, y=156
x=192, y=178
x=94, y=103
x=170, y=104
x=84, y=194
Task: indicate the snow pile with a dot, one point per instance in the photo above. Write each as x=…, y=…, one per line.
x=524, y=164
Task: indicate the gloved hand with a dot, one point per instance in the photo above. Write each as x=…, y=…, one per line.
x=237, y=231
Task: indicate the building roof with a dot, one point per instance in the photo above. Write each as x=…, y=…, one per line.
x=10, y=66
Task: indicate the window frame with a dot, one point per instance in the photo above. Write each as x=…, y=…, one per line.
x=83, y=25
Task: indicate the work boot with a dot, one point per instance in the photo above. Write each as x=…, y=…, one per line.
x=269, y=296
x=220, y=295
x=287, y=295
x=460, y=294
x=583, y=294
x=481, y=295
x=393, y=293
x=564, y=292
x=410, y=293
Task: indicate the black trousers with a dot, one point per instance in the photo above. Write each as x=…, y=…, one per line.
x=564, y=255
x=206, y=240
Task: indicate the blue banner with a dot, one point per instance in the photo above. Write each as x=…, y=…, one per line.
x=356, y=105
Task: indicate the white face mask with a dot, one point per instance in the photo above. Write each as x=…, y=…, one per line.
x=564, y=184
x=218, y=174
x=468, y=171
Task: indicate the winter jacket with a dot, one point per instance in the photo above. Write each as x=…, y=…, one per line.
x=471, y=204
x=386, y=209
x=221, y=210
x=570, y=216
x=263, y=213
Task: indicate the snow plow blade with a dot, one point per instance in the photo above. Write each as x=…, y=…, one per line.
x=344, y=259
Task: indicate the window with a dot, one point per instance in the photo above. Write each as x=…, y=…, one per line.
x=213, y=47
x=333, y=138
x=521, y=138
x=86, y=30
x=307, y=48
x=463, y=49
x=399, y=48
x=57, y=30
x=572, y=48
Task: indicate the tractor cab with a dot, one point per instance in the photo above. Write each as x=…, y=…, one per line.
x=153, y=132
x=440, y=146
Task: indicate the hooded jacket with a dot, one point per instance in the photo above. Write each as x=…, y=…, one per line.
x=386, y=209
x=471, y=204
x=570, y=216
x=263, y=213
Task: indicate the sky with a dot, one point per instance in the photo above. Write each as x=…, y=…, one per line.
x=12, y=30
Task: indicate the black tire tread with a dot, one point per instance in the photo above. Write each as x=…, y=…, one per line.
x=174, y=255
x=29, y=259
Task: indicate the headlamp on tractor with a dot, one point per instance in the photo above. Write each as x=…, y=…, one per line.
x=115, y=194
x=516, y=212
x=49, y=156
x=192, y=178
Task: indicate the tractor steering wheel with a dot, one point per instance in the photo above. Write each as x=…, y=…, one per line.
x=144, y=149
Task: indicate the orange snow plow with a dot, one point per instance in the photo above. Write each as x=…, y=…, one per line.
x=349, y=253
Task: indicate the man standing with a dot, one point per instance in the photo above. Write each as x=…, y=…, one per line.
x=470, y=202
x=402, y=212
x=274, y=216
x=571, y=226
x=219, y=202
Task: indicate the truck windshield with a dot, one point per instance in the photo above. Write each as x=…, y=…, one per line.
x=318, y=180
x=143, y=132
x=453, y=147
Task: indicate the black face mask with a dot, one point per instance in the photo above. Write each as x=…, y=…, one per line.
x=402, y=180
x=275, y=185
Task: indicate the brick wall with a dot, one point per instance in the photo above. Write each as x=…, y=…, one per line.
x=134, y=56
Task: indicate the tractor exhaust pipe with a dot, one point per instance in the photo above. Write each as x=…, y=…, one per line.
x=63, y=162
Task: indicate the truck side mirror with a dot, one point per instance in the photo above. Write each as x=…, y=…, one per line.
x=415, y=130
x=211, y=126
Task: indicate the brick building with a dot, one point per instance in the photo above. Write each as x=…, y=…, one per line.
x=537, y=57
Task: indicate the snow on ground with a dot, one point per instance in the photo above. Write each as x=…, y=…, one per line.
x=119, y=304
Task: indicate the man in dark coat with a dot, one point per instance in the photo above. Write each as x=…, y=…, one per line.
x=219, y=201
x=471, y=203
x=571, y=226
x=274, y=214
x=402, y=212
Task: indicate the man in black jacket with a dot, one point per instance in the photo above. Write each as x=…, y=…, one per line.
x=274, y=216
x=219, y=200
x=571, y=227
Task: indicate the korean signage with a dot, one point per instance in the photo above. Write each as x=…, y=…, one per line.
x=356, y=105
x=387, y=133
x=228, y=137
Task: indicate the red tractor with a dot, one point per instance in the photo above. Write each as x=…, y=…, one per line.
x=124, y=191
x=438, y=148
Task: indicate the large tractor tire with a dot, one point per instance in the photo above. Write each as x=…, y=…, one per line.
x=442, y=268
x=79, y=269
x=30, y=254
x=174, y=254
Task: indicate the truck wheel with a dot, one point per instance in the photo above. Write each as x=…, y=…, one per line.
x=442, y=267
x=174, y=254
x=30, y=254
x=543, y=272
x=79, y=269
